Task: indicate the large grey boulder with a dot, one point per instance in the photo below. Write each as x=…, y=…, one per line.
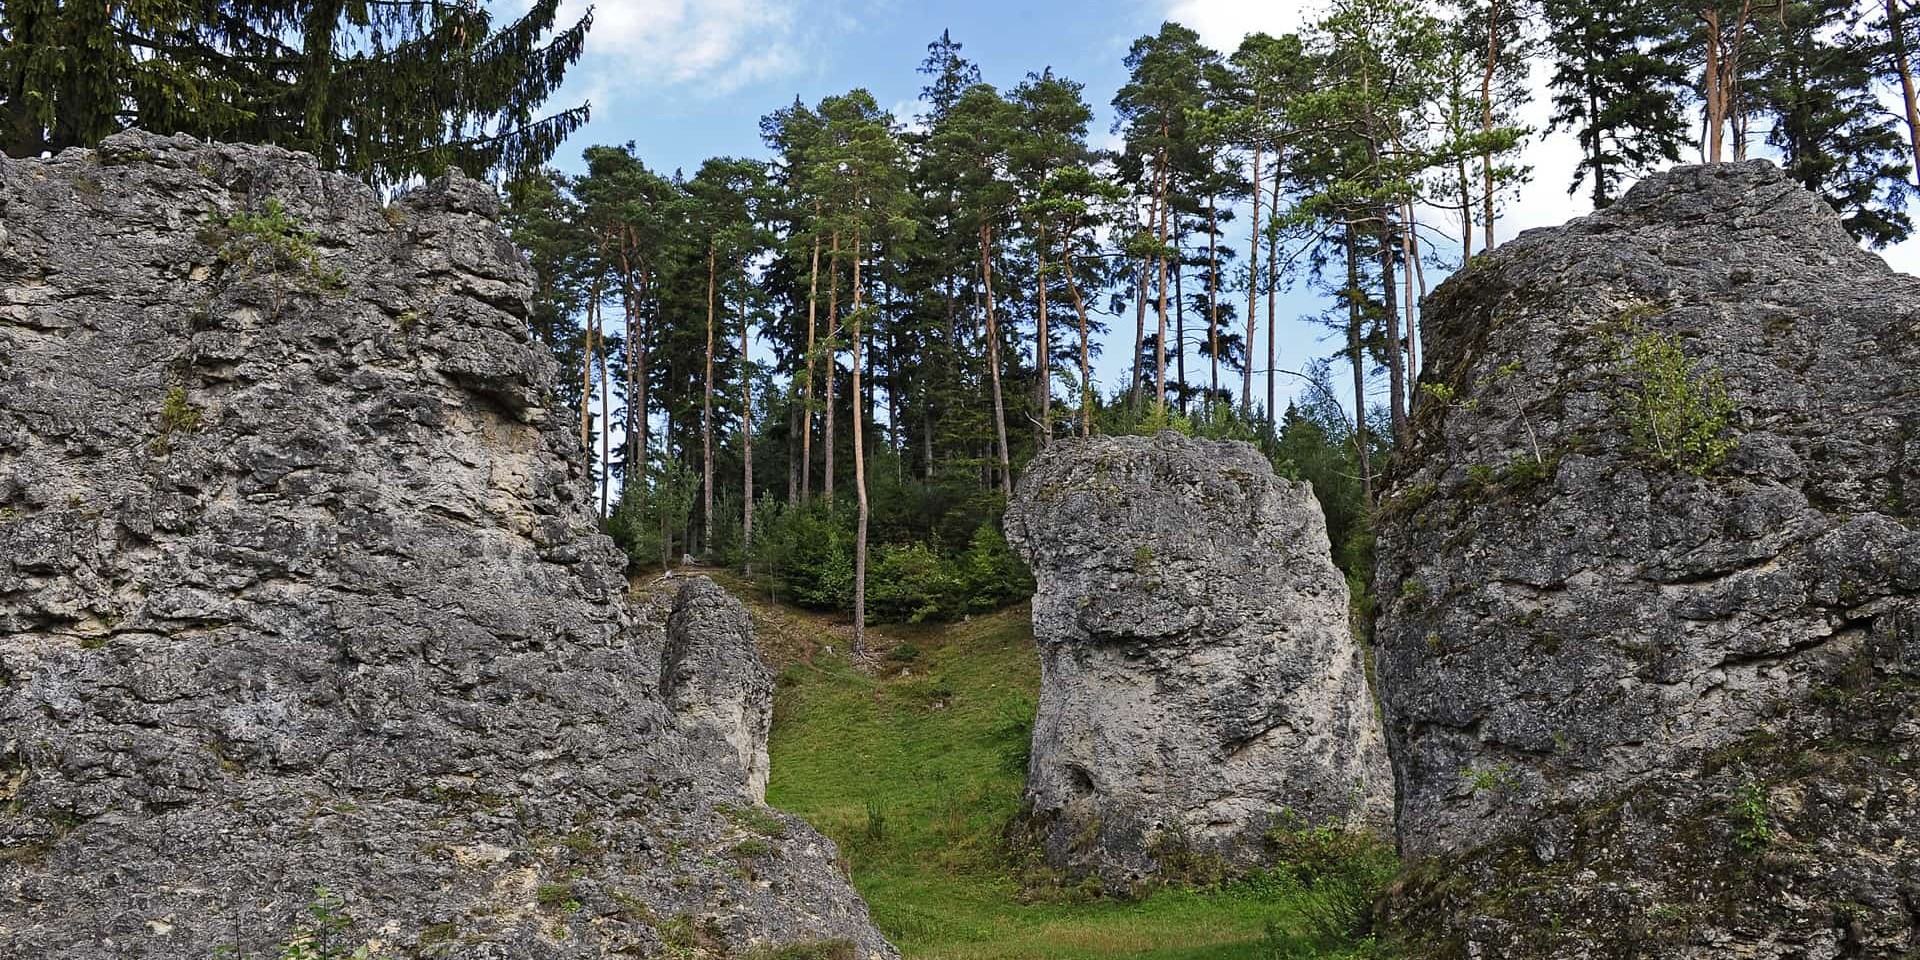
x=299, y=587
x=1674, y=714
x=1199, y=683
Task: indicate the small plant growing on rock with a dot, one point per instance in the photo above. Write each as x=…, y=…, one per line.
x=1754, y=819
x=327, y=934
x=1676, y=412
x=177, y=415
x=272, y=241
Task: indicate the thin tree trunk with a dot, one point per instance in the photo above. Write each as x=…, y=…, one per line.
x=1180, y=326
x=1140, y=331
x=1253, y=290
x=859, y=475
x=993, y=360
x=1273, y=261
x=1420, y=273
x=1396, y=364
x=1486, y=120
x=586, y=367
x=1896, y=27
x=1160, y=346
x=706, y=421
x=746, y=432
x=832, y=365
x=1715, y=104
x=606, y=432
x=1213, y=299
x=1042, y=348
x=1086, y=364
x=1408, y=303
x=806, y=415
x=1357, y=353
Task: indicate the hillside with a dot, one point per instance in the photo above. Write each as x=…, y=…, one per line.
x=914, y=766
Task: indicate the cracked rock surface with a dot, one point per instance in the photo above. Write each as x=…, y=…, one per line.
x=1634, y=711
x=1199, y=682
x=299, y=588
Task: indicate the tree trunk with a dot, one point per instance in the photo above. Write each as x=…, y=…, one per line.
x=859, y=475
x=993, y=359
x=1273, y=262
x=1486, y=120
x=1253, y=292
x=1086, y=364
x=1140, y=330
x=706, y=421
x=606, y=434
x=1713, y=94
x=1043, y=352
x=586, y=367
x=1902, y=62
x=1180, y=326
x=1356, y=349
x=806, y=412
x=746, y=432
x=1396, y=364
x=1160, y=347
x=832, y=365
x=1213, y=299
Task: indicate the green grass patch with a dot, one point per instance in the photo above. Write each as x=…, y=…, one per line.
x=916, y=773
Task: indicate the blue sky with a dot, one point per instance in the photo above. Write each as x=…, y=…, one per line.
x=689, y=79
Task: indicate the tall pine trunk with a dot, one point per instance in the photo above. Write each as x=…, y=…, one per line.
x=1356, y=351
x=1042, y=349
x=1486, y=126
x=993, y=359
x=1273, y=262
x=746, y=432
x=1086, y=363
x=1160, y=346
x=706, y=421
x=806, y=415
x=1213, y=298
x=832, y=365
x=1903, y=65
x=586, y=367
x=1253, y=292
x=859, y=474
x=1396, y=363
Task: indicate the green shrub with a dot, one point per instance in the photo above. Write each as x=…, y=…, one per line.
x=1676, y=413
x=912, y=584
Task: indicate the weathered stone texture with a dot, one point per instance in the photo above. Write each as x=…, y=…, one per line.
x=1199, y=681
x=1600, y=672
x=298, y=587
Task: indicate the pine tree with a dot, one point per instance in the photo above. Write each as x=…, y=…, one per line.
x=1617, y=84
x=386, y=90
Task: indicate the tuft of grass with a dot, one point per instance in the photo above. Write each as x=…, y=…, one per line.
x=920, y=801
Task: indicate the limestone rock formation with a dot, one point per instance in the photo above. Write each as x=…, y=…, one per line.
x=299, y=588
x=1198, y=678
x=1636, y=711
x=715, y=683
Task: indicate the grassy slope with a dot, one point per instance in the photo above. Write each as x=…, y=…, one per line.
x=933, y=749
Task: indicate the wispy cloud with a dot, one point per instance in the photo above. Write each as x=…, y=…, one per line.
x=698, y=48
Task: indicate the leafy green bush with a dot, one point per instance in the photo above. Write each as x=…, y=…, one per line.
x=1677, y=413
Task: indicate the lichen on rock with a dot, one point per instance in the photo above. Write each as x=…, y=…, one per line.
x=299, y=588
x=1200, y=684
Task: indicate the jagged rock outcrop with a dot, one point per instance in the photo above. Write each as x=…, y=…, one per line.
x=299, y=587
x=1198, y=678
x=1634, y=711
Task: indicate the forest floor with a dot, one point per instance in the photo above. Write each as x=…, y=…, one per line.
x=914, y=763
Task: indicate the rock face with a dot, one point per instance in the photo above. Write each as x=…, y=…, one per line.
x=298, y=587
x=1198, y=678
x=1674, y=714
x=715, y=683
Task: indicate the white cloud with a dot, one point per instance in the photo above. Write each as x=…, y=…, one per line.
x=689, y=47
x=1223, y=23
